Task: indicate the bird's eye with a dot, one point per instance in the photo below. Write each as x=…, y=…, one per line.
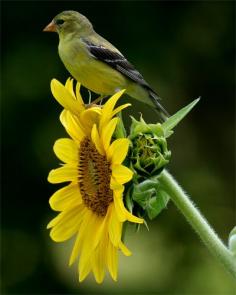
x=59, y=22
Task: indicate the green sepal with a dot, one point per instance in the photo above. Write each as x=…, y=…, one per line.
x=148, y=157
x=232, y=241
x=149, y=148
x=120, y=131
x=129, y=204
x=149, y=154
x=150, y=197
x=171, y=122
x=145, y=223
x=141, y=127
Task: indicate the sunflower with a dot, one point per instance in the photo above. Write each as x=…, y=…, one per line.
x=91, y=206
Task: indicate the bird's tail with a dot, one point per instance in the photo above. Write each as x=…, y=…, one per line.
x=164, y=115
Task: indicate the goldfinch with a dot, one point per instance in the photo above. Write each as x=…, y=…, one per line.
x=96, y=63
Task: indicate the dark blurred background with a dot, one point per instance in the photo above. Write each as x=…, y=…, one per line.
x=184, y=50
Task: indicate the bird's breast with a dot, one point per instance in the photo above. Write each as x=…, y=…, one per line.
x=90, y=72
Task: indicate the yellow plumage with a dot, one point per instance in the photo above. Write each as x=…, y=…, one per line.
x=96, y=63
x=91, y=73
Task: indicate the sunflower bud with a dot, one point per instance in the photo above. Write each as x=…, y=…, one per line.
x=146, y=197
x=149, y=148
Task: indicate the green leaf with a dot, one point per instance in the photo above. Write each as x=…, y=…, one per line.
x=138, y=127
x=157, y=129
x=120, y=131
x=143, y=198
x=171, y=122
x=146, y=185
x=145, y=223
x=157, y=204
x=150, y=197
x=129, y=202
x=232, y=241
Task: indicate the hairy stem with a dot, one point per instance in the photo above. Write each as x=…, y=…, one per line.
x=198, y=222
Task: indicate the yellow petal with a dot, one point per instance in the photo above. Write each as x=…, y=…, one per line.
x=122, y=213
x=114, y=185
x=96, y=140
x=119, y=206
x=121, y=173
x=66, y=197
x=115, y=228
x=87, y=241
x=63, y=174
x=107, y=132
x=68, y=224
x=83, y=228
x=71, y=125
x=120, y=108
x=69, y=86
x=75, y=250
x=98, y=265
x=118, y=151
x=130, y=217
x=66, y=150
x=55, y=220
x=82, y=232
x=124, y=249
x=112, y=261
x=65, y=98
x=78, y=95
x=99, y=258
x=100, y=223
x=89, y=117
x=91, y=238
x=108, y=109
x=84, y=270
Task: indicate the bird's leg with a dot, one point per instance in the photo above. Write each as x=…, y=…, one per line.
x=90, y=96
x=96, y=101
x=104, y=97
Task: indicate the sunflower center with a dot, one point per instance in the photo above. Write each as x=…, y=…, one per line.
x=94, y=178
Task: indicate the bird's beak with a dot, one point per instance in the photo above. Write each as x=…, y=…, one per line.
x=50, y=27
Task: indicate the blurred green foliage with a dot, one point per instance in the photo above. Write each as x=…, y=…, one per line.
x=184, y=50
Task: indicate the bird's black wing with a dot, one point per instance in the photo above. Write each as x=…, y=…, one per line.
x=121, y=64
x=118, y=62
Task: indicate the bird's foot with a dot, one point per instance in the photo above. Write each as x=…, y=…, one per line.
x=96, y=101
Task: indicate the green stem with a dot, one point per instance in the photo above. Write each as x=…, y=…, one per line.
x=198, y=222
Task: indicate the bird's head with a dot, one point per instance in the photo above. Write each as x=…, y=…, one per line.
x=68, y=22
